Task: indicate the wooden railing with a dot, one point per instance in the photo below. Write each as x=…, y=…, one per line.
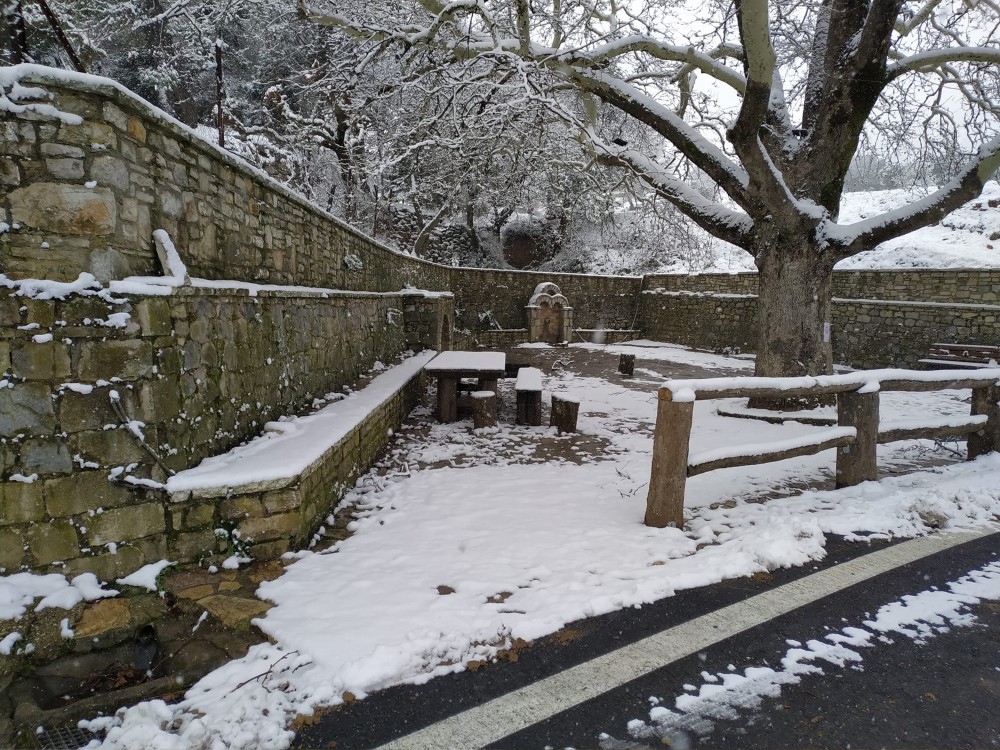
x=856, y=437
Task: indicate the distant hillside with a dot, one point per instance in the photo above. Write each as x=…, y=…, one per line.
x=968, y=238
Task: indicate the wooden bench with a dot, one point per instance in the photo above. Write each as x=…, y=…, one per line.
x=529, y=396
x=961, y=356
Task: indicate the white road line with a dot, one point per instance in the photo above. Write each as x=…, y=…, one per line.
x=519, y=709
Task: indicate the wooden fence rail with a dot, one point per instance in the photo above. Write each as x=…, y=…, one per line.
x=856, y=437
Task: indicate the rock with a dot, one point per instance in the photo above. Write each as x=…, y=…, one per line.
x=27, y=407
x=69, y=209
x=233, y=611
x=103, y=616
x=126, y=524
x=197, y=592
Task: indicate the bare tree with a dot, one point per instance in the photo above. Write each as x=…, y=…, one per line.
x=767, y=100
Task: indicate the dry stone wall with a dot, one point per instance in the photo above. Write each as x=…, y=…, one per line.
x=492, y=299
x=957, y=285
x=88, y=171
x=865, y=333
x=194, y=373
x=85, y=188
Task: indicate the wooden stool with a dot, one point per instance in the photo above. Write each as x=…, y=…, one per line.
x=565, y=410
x=484, y=409
x=529, y=396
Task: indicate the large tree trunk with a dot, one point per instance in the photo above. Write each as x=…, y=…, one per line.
x=794, y=315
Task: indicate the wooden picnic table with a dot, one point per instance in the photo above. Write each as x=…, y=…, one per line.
x=450, y=367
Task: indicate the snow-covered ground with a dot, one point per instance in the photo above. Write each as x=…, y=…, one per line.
x=967, y=238
x=464, y=542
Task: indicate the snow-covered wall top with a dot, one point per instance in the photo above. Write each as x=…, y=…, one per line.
x=89, y=170
x=958, y=285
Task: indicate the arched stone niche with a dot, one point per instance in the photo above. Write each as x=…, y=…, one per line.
x=550, y=317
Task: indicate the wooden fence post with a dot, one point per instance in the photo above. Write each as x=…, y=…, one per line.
x=856, y=463
x=665, y=501
x=984, y=401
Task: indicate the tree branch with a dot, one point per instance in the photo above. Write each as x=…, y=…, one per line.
x=703, y=154
x=852, y=239
x=934, y=58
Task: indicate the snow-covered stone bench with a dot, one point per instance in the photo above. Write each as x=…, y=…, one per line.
x=276, y=488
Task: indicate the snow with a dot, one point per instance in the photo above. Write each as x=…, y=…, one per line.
x=469, y=361
x=85, y=284
x=9, y=99
x=526, y=542
x=19, y=592
x=968, y=237
x=173, y=266
x=960, y=240
x=289, y=447
x=8, y=642
x=763, y=449
x=145, y=577
x=528, y=379
x=920, y=617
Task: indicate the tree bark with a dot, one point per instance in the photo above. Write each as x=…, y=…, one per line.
x=794, y=332
x=17, y=32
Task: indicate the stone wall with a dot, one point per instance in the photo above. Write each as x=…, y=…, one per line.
x=963, y=286
x=701, y=319
x=865, y=334
x=85, y=188
x=492, y=299
x=722, y=283
x=195, y=373
x=898, y=334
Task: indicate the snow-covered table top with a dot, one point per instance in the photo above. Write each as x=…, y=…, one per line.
x=467, y=364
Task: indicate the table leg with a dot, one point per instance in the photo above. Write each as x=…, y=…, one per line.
x=447, y=399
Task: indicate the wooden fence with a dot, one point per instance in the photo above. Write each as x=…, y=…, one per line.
x=856, y=437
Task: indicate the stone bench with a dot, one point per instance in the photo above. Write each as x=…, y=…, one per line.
x=529, y=396
x=278, y=487
x=961, y=356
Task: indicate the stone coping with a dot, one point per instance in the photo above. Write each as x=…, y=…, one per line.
x=245, y=289
x=291, y=449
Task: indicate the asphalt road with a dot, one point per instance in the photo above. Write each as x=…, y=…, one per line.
x=944, y=694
